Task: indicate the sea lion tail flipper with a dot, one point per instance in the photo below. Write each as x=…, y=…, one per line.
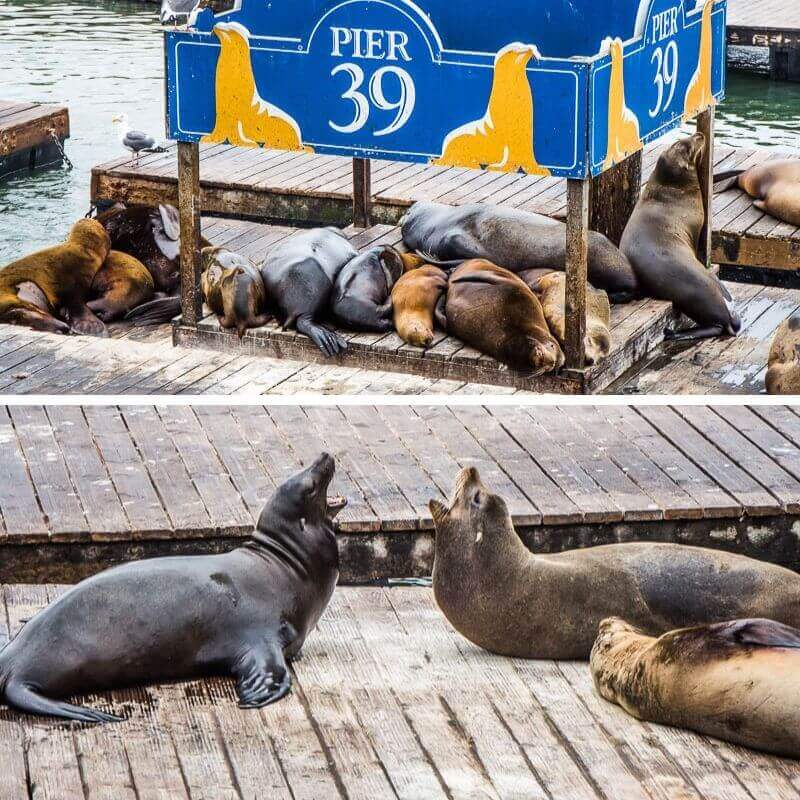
x=692, y=334
x=328, y=341
x=726, y=180
x=156, y=312
x=429, y=259
x=262, y=676
x=23, y=698
x=439, y=313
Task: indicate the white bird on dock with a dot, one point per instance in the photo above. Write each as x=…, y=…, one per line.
x=135, y=141
x=179, y=11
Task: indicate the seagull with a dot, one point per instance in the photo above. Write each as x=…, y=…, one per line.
x=135, y=141
x=173, y=11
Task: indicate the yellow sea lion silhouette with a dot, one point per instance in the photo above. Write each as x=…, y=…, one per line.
x=244, y=118
x=623, y=124
x=699, y=94
x=503, y=138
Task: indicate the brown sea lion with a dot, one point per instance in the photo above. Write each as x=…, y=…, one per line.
x=494, y=311
x=412, y=261
x=783, y=373
x=55, y=283
x=499, y=595
x=550, y=288
x=122, y=283
x=774, y=185
x=733, y=680
x=661, y=240
x=233, y=289
x=418, y=298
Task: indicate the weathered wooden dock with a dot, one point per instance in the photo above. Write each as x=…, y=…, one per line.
x=292, y=187
x=85, y=487
x=31, y=136
x=768, y=23
x=388, y=701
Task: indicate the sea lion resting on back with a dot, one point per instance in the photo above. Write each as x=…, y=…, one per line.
x=516, y=240
x=499, y=595
x=243, y=613
x=38, y=289
x=661, y=240
x=733, y=680
x=494, y=311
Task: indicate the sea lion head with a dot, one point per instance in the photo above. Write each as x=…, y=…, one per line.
x=516, y=53
x=546, y=354
x=302, y=502
x=678, y=164
x=91, y=235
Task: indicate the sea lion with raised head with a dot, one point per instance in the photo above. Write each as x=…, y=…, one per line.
x=48, y=290
x=504, y=598
x=299, y=275
x=121, y=284
x=244, y=613
x=418, y=300
x=494, y=311
x=362, y=292
x=783, y=370
x=661, y=241
x=734, y=680
x=517, y=240
x=233, y=289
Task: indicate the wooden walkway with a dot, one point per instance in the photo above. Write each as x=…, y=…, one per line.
x=764, y=23
x=300, y=187
x=83, y=487
x=26, y=135
x=388, y=702
x=636, y=328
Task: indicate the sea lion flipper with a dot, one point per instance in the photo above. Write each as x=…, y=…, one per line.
x=726, y=180
x=23, y=698
x=760, y=633
x=262, y=676
x=329, y=342
x=692, y=334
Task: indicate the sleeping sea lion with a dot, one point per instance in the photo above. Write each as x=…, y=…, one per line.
x=661, y=240
x=299, y=275
x=121, y=284
x=513, y=239
x=733, y=680
x=775, y=185
x=55, y=283
x=783, y=373
x=499, y=595
x=233, y=289
x=412, y=261
x=418, y=298
x=551, y=291
x=494, y=311
x=362, y=292
x=244, y=613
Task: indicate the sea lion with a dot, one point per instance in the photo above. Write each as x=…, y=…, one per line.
x=733, y=680
x=502, y=597
x=775, y=185
x=233, y=289
x=244, y=613
x=551, y=291
x=699, y=95
x=412, y=261
x=494, y=311
x=122, y=283
x=661, y=240
x=503, y=138
x=783, y=372
x=55, y=283
x=511, y=238
x=299, y=275
x=362, y=292
x=418, y=298
x=623, y=124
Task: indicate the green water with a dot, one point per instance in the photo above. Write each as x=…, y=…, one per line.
x=102, y=58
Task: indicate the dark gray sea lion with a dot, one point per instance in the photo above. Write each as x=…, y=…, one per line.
x=516, y=240
x=245, y=613
x=735, y=680
x=233, y=289
x=502, y=597
x=299, y=275
x=362, y=292
x=661, y=240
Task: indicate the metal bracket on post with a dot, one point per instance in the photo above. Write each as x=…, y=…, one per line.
x=577, y=257
x=705, y=125
x=362, y=193
x=189, y=213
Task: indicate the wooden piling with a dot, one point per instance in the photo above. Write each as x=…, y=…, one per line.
x=362, y=192
x=705, y=125
x=189, y=212
x=576, y=268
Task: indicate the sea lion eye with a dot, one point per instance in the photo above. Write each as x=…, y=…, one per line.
x=476, y=498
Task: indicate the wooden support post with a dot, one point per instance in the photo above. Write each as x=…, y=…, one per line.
x=362, y=193
x=614, y=195
x=705, y=124
x=577, y=253
x=189, y=212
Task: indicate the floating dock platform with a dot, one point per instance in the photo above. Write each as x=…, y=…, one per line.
x=768, y=23
x=31, y=136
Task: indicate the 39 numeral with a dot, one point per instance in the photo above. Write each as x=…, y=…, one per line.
x=666, y=63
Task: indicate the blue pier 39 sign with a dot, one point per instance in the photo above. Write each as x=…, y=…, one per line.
x=545, y=87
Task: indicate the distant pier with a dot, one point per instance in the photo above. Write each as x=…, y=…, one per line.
x=31, y=135
x=774, y=24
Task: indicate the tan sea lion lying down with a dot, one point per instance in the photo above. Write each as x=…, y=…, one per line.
x=773, y=185
x=417, y=300
x=783, y=374
x=735, y=680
